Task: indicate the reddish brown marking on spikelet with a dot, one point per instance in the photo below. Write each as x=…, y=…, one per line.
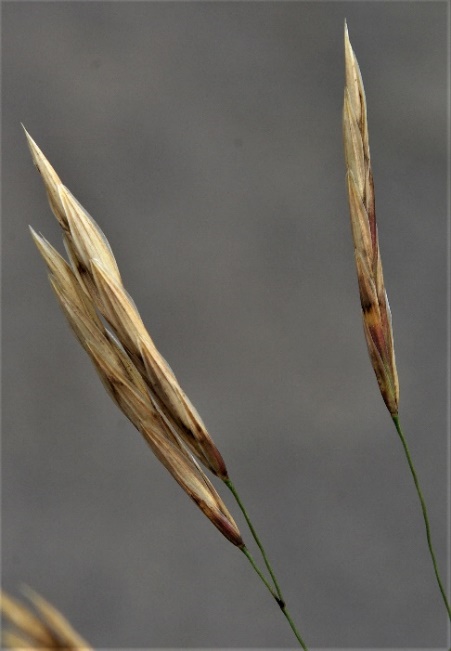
x=373, y=298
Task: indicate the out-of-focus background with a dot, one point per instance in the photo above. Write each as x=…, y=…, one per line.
x=205, y=139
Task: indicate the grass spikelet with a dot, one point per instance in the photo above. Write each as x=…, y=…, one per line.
x=134, y=373
x=375, y=307
x=46, y=628
x=136, y=376
x=95, y=268
x=376, y=310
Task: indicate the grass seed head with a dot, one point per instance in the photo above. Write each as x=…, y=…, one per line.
x=136, y=376
x=44, y=629
x=373, y=298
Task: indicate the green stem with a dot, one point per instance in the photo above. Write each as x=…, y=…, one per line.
x=284, y=609
x=277, y=594
x=425, y=514
x=251, y=560
x=234, y=492
x=280, y=601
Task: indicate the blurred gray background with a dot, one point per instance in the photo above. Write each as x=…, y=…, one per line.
x=205, y=139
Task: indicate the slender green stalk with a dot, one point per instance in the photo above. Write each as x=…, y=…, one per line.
x=277, y=593
x=234, y=492
x=284, y=609
x=251, y=560
x=280, y=601
x=424, y=510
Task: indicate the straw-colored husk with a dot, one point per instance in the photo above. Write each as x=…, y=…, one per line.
x=377, y=321
x=46, y=628
x=136, y=376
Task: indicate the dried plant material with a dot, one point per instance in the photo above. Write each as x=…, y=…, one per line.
x=51, y=181
x=45, y=629
x=132, y=370
x=179, y=410
x=95, y=267
x=376, y=311
x=85, y=238
x=377, y=321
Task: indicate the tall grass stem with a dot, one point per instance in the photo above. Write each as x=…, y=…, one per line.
x=280, y=602
x=235, y=494
x=277, y=593
x=425, y=513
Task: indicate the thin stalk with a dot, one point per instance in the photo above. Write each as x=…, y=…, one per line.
x=425, y=514
x=251, y=560
x=277, y=593
x=284, y=609
x=234, y=492
x=280, y=601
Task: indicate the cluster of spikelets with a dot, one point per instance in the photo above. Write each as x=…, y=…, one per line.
x=107, y=324
x=376, y=310
x=46, y=628
x=109, y=327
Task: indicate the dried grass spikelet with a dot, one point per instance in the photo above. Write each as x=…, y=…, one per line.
x=134, y=373
x=377, y=320
x=44, y=629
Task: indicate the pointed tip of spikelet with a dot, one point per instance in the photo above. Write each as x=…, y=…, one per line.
x=349, y=52
x=50, y=178
x=36, y=153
